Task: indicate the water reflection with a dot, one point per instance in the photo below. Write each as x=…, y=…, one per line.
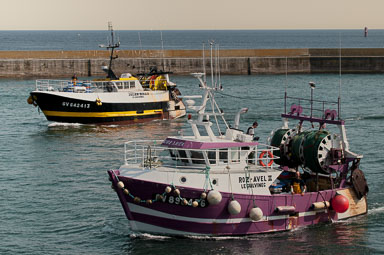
x=108, y=135
x=347, y=237
x=150, y=130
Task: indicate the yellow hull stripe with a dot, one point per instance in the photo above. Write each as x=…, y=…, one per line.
x=101, y=114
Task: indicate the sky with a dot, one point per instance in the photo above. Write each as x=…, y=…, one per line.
x=191, y=14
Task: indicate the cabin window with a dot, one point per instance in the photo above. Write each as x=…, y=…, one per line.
x=109, y=87
x=179, y=155
x=212, y=157
x=119, y=85
x=235, y=155
x=223, y=155
x=197, y=157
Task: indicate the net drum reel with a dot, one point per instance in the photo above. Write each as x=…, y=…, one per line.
x=281, y=139
x=316, y=150
x=297, y=154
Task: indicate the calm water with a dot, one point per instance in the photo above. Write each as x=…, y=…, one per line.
x=178, y=39
x=55, y=197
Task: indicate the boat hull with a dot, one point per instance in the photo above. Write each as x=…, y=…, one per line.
x=97, y=108
x=147, y=212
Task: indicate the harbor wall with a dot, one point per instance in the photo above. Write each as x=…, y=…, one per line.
x=49, y=64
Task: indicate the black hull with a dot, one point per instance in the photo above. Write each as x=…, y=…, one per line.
x=63, y=109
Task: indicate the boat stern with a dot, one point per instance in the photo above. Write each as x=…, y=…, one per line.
x=356, y=206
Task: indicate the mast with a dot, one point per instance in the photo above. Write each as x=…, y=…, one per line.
x=111, y=46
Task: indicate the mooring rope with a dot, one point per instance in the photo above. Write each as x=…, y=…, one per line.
x=248, y=98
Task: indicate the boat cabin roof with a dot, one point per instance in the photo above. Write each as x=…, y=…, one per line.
x=173, y=142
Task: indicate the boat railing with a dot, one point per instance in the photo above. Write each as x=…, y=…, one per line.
x=65, y=86
x=312, y=110
x=152, y=154
x=118, y=85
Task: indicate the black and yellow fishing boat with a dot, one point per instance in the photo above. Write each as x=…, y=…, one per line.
x=123, y=99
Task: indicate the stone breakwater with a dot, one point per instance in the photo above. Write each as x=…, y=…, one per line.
x=50, y=64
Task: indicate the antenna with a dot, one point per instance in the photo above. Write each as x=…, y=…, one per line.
x=286, y=84
x=205, y=74
x=211, y=44
x=141, y=52
x=216, y=63
x=218, y=66
x=162, y=49
x=339, y=98
x=312, y=86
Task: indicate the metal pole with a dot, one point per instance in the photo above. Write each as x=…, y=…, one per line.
x=312, y=86
x=211, y=43
x=205, y=73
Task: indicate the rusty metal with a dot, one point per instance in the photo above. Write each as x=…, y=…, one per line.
x=359, y=183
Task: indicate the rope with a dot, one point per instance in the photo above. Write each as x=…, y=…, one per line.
x=207, y=182
x=230, y=185
x=117, y=178
x=248, y=98
x=248, y=174
x=325, y=204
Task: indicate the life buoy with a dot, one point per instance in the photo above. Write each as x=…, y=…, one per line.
x=261, y=157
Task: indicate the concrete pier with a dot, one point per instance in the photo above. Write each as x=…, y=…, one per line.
x=50, y=64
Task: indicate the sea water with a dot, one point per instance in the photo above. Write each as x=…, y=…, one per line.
x=55, y=196
x=191, y=39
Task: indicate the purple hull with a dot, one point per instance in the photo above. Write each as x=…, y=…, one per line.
x=168, y=216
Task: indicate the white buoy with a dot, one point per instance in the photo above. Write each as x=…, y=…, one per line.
x=256, y=214
x=120, y=184
x=234, y=207
x=168, y=189
x=177, y=192
x=190, y=102
x=126, y=192
x=203, y=195
x=214, y=197
x=195, y=204
x=321, y=205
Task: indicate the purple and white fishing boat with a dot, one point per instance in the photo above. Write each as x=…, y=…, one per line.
x=220, y=182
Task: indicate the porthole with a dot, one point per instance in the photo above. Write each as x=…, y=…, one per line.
x=183, y=179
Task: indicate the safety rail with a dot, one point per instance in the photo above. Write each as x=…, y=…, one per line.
x=151, y=154
x=65, y=86
x=83, y=86
x=313, y=108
